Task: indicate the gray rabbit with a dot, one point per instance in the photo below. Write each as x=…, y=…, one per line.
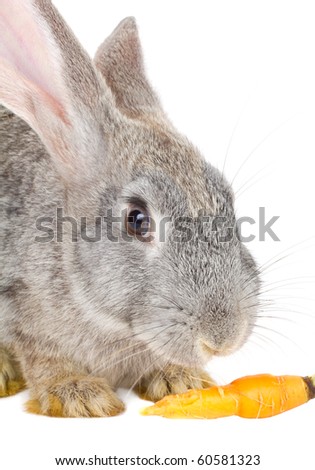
x=134, y=286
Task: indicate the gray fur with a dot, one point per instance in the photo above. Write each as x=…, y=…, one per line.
x=120, y=310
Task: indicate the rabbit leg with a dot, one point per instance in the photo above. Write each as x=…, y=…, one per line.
x=11, y=380
x=172, y=379
x=58, y=388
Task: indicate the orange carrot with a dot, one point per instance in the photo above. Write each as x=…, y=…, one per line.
x=256, y=396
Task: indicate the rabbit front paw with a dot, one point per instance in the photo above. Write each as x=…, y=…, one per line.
x=75, y=397
x=11, y=380
x=173, y=379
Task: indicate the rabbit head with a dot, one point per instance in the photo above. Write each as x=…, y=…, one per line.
x=169, y=268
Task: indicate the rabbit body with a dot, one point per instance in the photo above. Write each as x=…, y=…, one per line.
x=81, y=316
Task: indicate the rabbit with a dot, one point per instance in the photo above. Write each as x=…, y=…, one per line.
x=133, y=286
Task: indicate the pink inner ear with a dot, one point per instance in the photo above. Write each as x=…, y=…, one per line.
x=26, y=47
x=34, y=84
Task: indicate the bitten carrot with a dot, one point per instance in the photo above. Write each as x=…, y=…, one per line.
x=256, y=396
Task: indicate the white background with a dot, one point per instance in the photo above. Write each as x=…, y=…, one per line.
x=238, y=78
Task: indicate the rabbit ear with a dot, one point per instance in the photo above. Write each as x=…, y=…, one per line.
x=120, y=61
x=47, y=79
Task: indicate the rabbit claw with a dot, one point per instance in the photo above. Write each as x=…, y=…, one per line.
x=171, y=380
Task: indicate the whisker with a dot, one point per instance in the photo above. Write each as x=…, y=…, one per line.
x=280, y=334
x=233, y=134
x=133, y=345
x=172, y=301
x=250, y=341
x=113, y=364
x=133, y=335
x=285, y=296
x=276, y=317
x=288, y=311
x=273, y=131
x=247, y=186
x=267, y=341
x=278, y=257
x=290, y=279
x=274, y=260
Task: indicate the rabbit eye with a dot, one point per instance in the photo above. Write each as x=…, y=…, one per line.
x=138, y=222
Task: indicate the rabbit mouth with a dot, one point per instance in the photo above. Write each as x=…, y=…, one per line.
x=207, y=349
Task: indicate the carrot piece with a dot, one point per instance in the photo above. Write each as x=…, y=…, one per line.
x=256, y=396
